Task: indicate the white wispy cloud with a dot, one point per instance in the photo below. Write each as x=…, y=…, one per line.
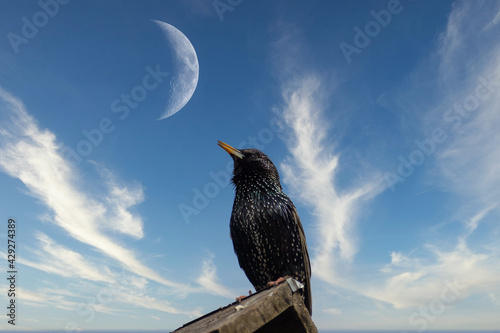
x=209, y=281
x=333, y=311
x=34, y=156
x=465, y=166
x=120, y=199
x=311, y=173
x=426, y=278
x=311, y=170
x=469, y=27
x=57, y=259
x=472, y=223
x=115, y=298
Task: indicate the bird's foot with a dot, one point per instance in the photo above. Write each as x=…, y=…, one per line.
x=240, y=298
x=275, y=283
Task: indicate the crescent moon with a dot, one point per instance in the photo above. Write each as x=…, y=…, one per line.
x=186, y=70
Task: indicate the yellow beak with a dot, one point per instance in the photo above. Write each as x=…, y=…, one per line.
x=232, y=151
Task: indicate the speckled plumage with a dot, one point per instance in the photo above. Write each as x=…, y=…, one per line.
x=267, y=234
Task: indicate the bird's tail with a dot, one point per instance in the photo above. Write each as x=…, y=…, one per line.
x=308, y=297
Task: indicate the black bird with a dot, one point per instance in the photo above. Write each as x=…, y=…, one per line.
x=267, y=234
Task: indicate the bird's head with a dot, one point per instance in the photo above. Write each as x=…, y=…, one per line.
x=251, y=164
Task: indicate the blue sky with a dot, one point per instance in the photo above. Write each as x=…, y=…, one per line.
x=381, y=116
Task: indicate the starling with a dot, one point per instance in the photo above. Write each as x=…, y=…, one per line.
x=267, y=234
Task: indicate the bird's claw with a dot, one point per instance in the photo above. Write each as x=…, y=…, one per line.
x=275, y=283
x=240, y=298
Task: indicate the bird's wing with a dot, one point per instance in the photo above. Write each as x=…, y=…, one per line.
x=307, y=263
x=266, y=243
x=250, y=257
x=289, y=232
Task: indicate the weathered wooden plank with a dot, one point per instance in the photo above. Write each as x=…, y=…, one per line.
x=277, y=309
